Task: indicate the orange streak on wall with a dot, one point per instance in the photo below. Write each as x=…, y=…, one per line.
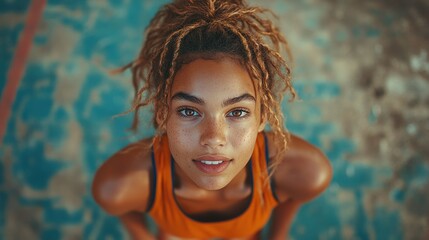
x=19, y=62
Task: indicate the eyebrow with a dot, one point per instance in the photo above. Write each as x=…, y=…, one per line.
x=227, y=102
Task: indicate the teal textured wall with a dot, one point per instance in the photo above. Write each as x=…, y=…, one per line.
x=361, y=70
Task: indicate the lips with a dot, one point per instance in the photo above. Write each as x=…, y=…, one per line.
x=212, y=164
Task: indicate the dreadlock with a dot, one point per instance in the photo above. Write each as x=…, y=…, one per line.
x=185, y=30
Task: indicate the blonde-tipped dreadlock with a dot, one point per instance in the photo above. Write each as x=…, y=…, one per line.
x=185, y=30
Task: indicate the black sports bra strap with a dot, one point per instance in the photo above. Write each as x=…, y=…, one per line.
x=267, y=160
x=152, y=182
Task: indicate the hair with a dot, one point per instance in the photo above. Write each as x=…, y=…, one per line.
x=185, y=30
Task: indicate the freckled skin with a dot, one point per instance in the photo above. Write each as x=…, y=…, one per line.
x=213, y=131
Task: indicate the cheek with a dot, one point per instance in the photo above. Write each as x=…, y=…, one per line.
x=243, y=137
x=180, y=139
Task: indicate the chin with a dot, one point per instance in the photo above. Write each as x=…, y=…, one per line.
x=213, y=184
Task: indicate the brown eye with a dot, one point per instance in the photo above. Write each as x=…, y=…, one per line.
x=188, y=112
x=238, y=113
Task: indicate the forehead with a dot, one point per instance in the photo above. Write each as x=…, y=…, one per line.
x=223, y=76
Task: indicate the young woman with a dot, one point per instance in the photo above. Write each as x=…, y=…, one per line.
x=213, y=72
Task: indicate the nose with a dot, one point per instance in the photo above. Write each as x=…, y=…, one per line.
x=213, y=133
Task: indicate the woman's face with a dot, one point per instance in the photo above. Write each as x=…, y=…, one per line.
x=213, y=121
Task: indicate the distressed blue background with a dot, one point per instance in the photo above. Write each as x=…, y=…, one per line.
x=361, y=70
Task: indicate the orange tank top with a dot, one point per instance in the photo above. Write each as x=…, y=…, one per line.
x=169, y=217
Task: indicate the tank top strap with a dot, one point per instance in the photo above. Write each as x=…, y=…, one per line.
x=153, y=181
x=261, y=167
x=162, y=166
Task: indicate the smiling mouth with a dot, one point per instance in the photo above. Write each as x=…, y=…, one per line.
x=212, y=166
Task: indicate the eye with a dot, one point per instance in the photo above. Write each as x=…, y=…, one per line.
x=238, y=113
x=188, y=112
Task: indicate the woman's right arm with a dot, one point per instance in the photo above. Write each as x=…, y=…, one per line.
x=121, y=187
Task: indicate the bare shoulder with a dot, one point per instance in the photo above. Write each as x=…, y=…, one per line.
x=122, y=183
x=304, y=172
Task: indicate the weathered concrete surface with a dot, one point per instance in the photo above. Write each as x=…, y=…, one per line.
x=361, y=70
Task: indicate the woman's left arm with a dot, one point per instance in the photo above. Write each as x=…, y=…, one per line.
x=282, y=218
x=303, y=174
